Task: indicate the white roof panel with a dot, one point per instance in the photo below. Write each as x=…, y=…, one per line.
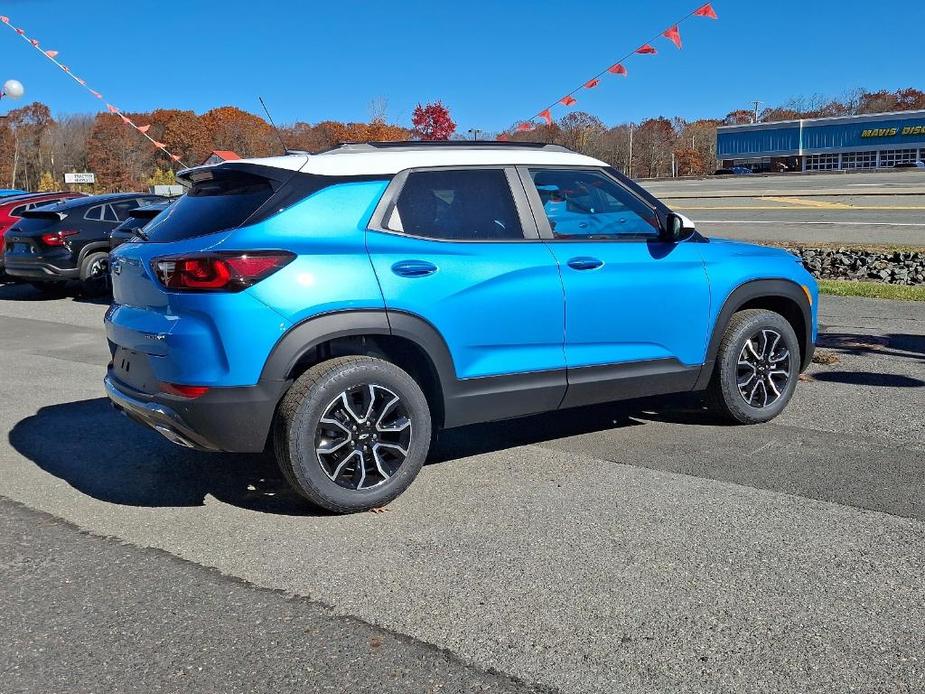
x=371, y=161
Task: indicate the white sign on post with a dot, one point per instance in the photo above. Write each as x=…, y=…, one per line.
x=80, y=178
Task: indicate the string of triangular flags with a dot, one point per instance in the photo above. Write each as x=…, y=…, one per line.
x=53, y=57
x=672, y=33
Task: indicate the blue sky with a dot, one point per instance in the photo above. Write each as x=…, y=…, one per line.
x=492, y=63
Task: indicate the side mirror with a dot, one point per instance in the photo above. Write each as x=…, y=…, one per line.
x=677, y=228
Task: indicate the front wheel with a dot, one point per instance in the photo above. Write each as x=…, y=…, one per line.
x=757, y=367
x=94, y=274
x=352, y=433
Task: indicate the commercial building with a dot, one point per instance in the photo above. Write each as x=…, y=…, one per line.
x=876, y=140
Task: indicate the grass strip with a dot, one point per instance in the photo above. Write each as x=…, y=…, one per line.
x=874, y=290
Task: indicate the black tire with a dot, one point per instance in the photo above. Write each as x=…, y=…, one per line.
x=94, y=274
x=734, y=391
x=298, y=426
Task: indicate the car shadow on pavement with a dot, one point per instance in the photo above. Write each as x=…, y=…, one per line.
x=26, y=292
x=107, y=456
x=891, y=345
x=496, y=436
x=868, y=378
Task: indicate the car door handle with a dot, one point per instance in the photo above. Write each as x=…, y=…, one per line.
x=585, y=263
x=414, y=268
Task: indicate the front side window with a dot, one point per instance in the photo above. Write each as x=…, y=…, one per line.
x=582, y=204
x=460, y=205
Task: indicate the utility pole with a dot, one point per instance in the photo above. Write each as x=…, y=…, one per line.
x=630, y=164
x=757, y=104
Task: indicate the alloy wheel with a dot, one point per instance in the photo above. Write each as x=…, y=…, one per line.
x=98, y=269
x=764, y=368
x=363, y=437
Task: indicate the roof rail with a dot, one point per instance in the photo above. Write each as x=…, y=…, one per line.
x=345, y=147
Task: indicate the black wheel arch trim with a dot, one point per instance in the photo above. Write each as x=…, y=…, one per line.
x=749, y=291
x=304, y=336
x=300, y=339
x=92, y=247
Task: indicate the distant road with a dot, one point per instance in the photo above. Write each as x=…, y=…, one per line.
x=884, y=208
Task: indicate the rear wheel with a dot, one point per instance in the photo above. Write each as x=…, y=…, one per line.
x=352, y=433
x=756, y=369
x=94, y=273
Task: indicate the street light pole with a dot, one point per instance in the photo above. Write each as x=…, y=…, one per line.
x=13, y=89
x=475, y=133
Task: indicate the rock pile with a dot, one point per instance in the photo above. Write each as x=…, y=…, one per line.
x=894, y=267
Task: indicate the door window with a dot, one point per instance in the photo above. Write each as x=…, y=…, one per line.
x=463, y=205
x=582, y=204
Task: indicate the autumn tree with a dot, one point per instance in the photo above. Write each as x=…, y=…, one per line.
x=68, y=138
x=582, y=132
x=380, y=131
x=31, y=154
x=696, y=147
x=162, y=177
x=433, y=122
x=653, y=144
x=7, y=146
x=741, y=116
x=242, y=132
x=187, y=136
x=46, y=183
x=118, y=155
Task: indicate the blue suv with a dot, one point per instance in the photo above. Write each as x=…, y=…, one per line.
x=344, y=306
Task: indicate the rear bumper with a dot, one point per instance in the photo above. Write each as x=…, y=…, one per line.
x=234, y=420
x=38, y=270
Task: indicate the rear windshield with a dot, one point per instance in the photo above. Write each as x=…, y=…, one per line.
x=218, y=200
x=28, y=225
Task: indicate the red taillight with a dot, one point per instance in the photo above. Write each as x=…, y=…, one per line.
x=184, y=391
x=226, y=272
x=57, y=238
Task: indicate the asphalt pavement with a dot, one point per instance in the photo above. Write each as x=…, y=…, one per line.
x=885, y=208
x=635, y=547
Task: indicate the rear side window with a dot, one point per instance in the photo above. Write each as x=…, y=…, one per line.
x=95, y=213
x=17, y=211
x=464, y=205
x=220, y=200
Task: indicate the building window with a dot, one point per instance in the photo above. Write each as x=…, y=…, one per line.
x=821, y=162
x=859, y=160
x=892, y=157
